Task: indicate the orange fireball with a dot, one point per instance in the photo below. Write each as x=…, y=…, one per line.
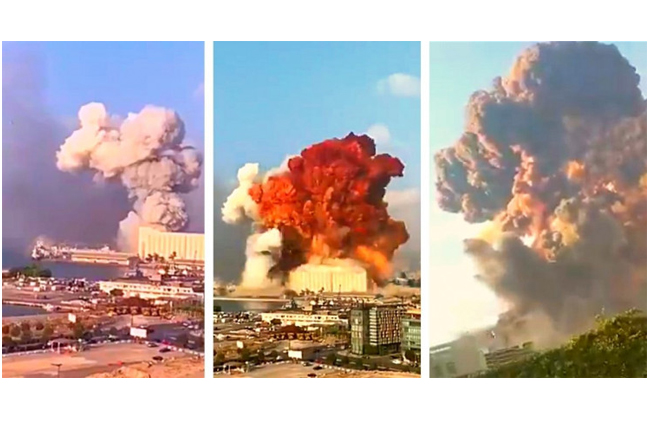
x=329, y=203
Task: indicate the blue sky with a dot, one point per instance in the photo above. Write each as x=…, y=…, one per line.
x=457, y=70
x=272, y=99
x=124, y=76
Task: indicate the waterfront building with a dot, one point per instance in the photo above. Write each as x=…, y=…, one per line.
x=304, y=318
x=182, y=246
x=149, y=289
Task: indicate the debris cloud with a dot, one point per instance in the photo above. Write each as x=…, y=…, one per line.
x=146, y=152
x=555, y=155
x=326, y=203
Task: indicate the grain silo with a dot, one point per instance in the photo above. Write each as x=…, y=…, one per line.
x=184, y=246
x=330, y=279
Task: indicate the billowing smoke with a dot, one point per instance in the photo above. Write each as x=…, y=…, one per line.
x=146, y=152
x=37, y=199
x=555, y=156
x=325, y=204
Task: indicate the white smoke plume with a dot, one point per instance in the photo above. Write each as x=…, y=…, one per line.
x=146, y=152
x=262, y=250
x=239, y=203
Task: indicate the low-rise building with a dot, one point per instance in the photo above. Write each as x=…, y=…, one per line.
x=307, y=352
x=499, y=358
x=149, y=289
x=304, y=318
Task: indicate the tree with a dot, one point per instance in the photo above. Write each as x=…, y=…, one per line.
x=331, y=358
x=288, y=293
x=39, y=326
x=274, y=354
x=219, y=358
x=112, y=331
x=33, y=271
x=116, y=293
x=15, y=331
x=411, y=355
x=6, y=329
x=244, y=354
x=260, y=356
x=344, y=360
x=358, y=363
x=78, y=330
x=7, y=341
x=47, y=333
x=26, y=336
x=25, y=326
x=276, y=322
x=332, y=330
x=617, y=347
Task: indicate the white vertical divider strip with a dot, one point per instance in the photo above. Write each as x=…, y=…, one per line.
x=208, y=100
x=425, y=204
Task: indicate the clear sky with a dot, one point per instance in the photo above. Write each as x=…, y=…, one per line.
x=272, y=99
x=124, y=76
x=458, y=302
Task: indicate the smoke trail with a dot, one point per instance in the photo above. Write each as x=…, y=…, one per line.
x=147, y=154
x=556, y=154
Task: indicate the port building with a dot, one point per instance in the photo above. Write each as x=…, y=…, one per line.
x=182, y=246
x=148, y=289
x=322, y=278
x=304, y=318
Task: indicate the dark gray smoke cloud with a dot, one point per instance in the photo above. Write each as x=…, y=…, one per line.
x=561, y=297
x=556, y=153
x=38, y=199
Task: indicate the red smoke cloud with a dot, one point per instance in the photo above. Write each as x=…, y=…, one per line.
x=329, y=203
